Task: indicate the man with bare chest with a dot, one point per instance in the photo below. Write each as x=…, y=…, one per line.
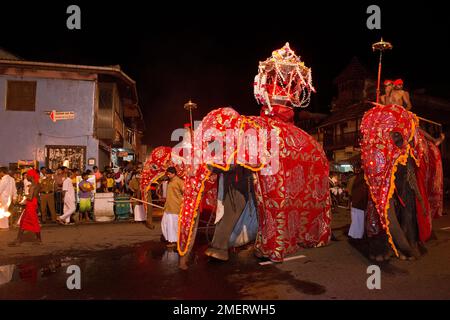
x=399, y=96
x=386, y=97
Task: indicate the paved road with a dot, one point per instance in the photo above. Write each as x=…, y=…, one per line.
x=128, y=261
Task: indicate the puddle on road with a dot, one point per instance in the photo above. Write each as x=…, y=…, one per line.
x=145, y=271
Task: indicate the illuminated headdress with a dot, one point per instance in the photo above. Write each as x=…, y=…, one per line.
x=283, y=79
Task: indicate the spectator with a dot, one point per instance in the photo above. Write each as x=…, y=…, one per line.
x=360, y=195
x=59, y=178
x=29, y=220
x=134, y=185
x=104, y=183
x=98, y=178
x=47, y=196
x=85, y=195
x=110, y=182
x=8, y=193
x=69, y=200
x=42, y=172
x=75, y=174
x=19, y=183
x=119, y=180
x=26, y=184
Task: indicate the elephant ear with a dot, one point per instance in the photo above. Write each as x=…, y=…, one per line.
x=387, y=132
x=154, y=167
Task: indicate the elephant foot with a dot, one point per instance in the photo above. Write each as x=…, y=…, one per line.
x=380, y=257
x=183, y=264
x=258, y=254
x=402, y=257
x=422, y=249
x=218, y=254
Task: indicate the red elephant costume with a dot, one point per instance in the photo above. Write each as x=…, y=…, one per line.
x=381, y=158
x=293, y=201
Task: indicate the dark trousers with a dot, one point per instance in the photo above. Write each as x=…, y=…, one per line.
x=48, y=200
x=59, y=204
x=234, y=204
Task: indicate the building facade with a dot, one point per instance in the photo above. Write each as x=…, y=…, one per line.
x=339, y=132
x=102, y=125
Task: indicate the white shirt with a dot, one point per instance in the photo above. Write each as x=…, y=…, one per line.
x=26, y=186
x=70, y=191
x=120, y=179
x=8, y=191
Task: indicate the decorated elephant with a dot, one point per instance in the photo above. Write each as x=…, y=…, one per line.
x=403, y=170
x=155, y=168
x=287, y=168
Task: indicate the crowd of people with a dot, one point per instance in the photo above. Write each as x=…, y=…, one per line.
x=52, y=196
x=62, y=193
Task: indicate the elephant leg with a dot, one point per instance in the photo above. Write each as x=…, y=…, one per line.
x=234, y=204
x=183, y=262
x=409, y=224
x=397, y=233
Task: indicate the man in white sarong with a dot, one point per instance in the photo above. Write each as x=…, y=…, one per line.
x=169, y=222
x=360, y=195
x=69, y=200
x=8, y=193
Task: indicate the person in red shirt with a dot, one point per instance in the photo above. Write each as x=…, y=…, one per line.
x=29, y=220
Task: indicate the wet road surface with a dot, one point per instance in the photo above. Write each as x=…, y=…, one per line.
x=148, y=270
x=145, y=271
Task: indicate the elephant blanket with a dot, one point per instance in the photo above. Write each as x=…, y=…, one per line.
x=391, y=135
x=293, y=199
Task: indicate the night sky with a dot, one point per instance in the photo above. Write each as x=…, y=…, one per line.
x=209, y=52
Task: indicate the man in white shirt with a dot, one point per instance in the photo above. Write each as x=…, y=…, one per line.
x=8, y=193
x=119, y=180
x=69, y=200
x=26, y=184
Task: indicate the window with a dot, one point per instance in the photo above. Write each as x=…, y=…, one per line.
x=21, y=96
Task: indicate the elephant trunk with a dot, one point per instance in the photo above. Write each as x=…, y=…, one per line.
x=193, y=191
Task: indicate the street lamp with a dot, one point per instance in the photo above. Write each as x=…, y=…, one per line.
x=380, y=46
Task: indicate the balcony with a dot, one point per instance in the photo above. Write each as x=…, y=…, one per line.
x=109, y=126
